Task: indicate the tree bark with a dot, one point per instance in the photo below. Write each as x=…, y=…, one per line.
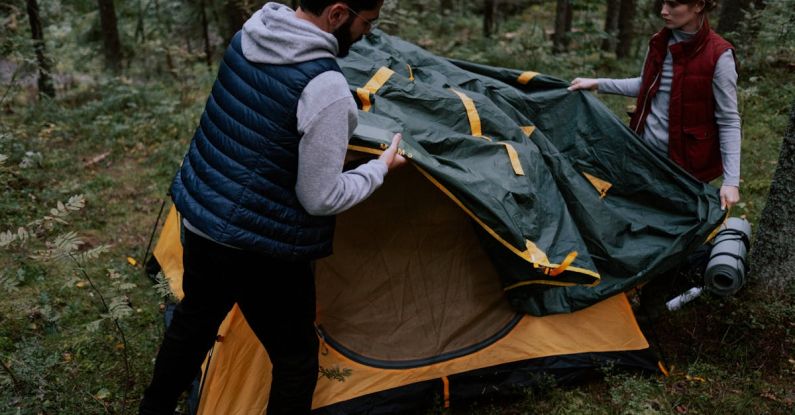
x=45, y=80
x=110, y=35
x=626, y=28
x=773, y=250
x=563, y=16
x=208, y=48
x=731, y=14
x=611, y=26
x=236, y=16
x=489, y=10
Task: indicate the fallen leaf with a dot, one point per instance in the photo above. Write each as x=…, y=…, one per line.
x=102, y=394
x=96, y=159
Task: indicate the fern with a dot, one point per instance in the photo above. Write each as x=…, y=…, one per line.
x=31, y=158
x=59, y=213
x=120, y=281
x=119, y=307
x=62, y=247
x=7, y=238
x=91, y=254
x=163, y=288
x=336, y=373
x=10, y=283
x=95, y=325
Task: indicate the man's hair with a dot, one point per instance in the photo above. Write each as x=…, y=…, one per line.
x=316, y=7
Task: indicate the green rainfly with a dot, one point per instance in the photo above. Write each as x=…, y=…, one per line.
x=570, y=205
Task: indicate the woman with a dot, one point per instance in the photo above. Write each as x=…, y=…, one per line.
x=687, y=96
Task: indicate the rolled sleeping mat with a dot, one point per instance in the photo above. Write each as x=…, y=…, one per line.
x=727, y=267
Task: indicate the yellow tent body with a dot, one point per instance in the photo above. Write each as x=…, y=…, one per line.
x=408, y=303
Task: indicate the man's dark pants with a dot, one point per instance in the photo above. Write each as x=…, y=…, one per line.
x=277, y=299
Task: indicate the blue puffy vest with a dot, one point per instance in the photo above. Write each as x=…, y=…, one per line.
x=237, y=182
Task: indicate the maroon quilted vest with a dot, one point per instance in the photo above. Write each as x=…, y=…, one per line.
x=692, y=130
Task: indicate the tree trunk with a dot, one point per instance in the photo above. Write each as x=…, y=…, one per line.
x=45, y=80
x=773, y=250
x=110, y=35
x=236, y=16
x=611, y=26
x=208, y=49
x=140, y=32
x=560, y=39
x=489, y=10
x=626, y=29
x=731, y=14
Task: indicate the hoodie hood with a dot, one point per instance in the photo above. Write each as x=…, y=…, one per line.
x=275, y=35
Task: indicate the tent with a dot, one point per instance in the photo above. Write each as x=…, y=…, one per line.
x=503, y=251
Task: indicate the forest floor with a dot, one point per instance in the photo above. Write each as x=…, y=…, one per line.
x=118, y=142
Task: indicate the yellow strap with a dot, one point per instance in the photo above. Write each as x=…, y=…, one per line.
x=549, y=282
x=514, y=157
x=601, y=186
x=364, y=96
x=525, y=77
x=373, y=85
x=411, y=73
x=526, y=254
x=367, y=150
x=719, y=227
x=554, y=272
x=531, y=254
x=446, y=383
x=662, y=368
x=528, y=129
x=472, y=113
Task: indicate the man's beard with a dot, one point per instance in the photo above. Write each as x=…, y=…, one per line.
x=344, y=38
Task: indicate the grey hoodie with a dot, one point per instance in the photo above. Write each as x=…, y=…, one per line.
x=327, y=113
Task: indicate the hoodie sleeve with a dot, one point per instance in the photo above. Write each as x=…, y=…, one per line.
x=327, y=116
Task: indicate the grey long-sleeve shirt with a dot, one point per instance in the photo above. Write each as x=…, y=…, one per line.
x=724, y=89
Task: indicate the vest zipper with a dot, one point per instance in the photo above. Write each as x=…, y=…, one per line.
x=645, y=100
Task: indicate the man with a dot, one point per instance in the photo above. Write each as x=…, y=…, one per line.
x=258, y=189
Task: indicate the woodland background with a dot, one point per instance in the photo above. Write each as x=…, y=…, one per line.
x=98, y=100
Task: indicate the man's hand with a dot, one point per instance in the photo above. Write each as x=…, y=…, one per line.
x=391, y=156
x=583, y=83
x=729, y=196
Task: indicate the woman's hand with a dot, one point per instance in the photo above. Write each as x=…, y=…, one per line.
x=583, y=83
x=729, y=196
x=391, y=156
